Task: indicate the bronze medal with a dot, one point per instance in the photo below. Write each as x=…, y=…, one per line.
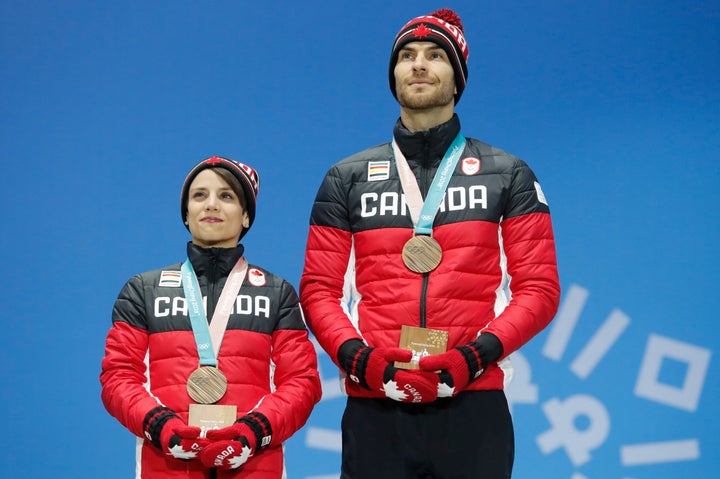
x=206, y=385
x=421, y=254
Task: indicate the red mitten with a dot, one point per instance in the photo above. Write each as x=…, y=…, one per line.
x=373, y=370
x=230, y=447
x=463, y=364
x=180, y=440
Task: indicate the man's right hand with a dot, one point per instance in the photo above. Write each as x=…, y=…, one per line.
x=182, y=441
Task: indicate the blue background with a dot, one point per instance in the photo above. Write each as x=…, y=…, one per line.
x=106, y=105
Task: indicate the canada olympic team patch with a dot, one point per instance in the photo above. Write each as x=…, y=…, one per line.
x=470, y=166
x=256, y=277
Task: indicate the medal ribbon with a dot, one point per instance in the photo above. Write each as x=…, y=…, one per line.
x=423, y=213
x=209, y=337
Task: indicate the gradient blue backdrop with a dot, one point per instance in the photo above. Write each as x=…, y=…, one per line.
x=615, y=104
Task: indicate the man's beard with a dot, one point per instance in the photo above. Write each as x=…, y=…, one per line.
x=439, y=98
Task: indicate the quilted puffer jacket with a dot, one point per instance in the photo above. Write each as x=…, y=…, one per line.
x=498, y=272
x=265, y=354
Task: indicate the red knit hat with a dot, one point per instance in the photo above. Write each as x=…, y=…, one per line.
x=444, y=28
x=248, y=177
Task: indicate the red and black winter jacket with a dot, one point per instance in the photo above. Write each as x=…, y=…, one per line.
x=498, y=272
x=270, y=364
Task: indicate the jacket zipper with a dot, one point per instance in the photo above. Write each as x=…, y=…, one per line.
x=212, y=283
x=425, y=168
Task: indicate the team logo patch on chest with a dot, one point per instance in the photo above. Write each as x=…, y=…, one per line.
x=470, y=166
x=256, y=277
x=378, y=170
x=170, y=279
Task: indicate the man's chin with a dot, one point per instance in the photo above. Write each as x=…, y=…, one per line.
x=418, y=103
x=424, y=99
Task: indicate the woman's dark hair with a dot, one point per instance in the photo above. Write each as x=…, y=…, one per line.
x=234, y=183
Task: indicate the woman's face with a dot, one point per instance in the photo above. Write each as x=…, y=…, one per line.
x=215, y=217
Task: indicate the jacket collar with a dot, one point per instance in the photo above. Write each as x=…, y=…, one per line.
x=213, y=262
x=426, y=147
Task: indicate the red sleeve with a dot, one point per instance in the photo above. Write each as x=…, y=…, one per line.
x=123, y=377
x=296, y=377
x=322, y=287
x=297, y=382
x=530, y=249
x=124, y=371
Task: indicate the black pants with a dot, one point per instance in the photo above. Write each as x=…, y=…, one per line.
x=469, y=436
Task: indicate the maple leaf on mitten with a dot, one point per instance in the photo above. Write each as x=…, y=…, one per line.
x=373, y=374
x=462, y=365
x=232, y=446
x=226, y=454
x=186, y=443
x=392, y=391
x=169, y=433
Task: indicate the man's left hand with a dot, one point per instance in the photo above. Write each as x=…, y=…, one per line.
x=462, y=365
x=231, y=447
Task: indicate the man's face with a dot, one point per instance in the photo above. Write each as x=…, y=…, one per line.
x=424, y=77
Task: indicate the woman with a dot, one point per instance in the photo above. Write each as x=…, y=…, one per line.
x=213, y=341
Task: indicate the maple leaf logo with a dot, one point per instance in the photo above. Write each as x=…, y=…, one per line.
x=470, y=166
x=178, y=452
x=392, y=391
x=422, y=31
x=256, y=277
x=239, y=460
x=445, y=391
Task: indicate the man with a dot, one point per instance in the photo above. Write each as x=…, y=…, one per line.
x=427, y=231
